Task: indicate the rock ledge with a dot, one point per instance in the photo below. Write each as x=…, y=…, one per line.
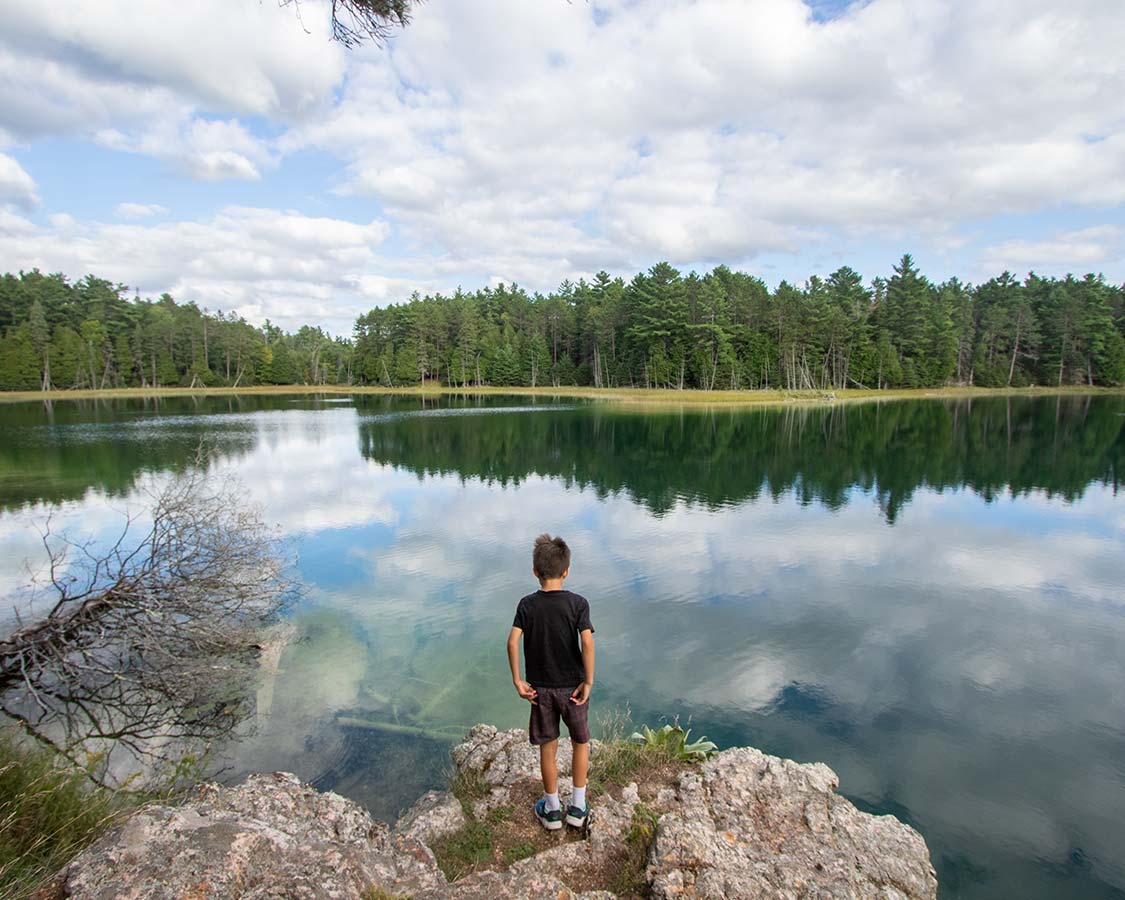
x=741, y=825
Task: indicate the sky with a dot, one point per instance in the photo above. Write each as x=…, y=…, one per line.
x=228, y=152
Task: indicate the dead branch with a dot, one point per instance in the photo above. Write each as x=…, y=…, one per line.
x=356, y=21
x=147, y=647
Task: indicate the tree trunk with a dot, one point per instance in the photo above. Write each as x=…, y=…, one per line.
x=1015, y=352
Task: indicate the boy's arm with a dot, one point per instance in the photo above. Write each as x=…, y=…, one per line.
x=524, y=689
x=582, y=692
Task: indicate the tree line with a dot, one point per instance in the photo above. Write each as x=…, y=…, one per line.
x=721, y=330
x=92, y=334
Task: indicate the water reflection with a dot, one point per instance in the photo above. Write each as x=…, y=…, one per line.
x=720, y=457
x=927, y=596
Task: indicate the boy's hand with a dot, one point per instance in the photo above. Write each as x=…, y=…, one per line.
x=581, y=694
x=526, y=691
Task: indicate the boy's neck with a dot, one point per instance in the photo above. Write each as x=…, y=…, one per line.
x=550, y=584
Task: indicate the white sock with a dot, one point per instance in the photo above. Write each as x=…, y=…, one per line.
x=552, y=801
x=578, y=798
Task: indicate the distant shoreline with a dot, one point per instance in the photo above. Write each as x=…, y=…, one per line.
x=643, y=396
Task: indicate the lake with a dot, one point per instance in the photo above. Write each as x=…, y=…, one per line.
x=928, y=595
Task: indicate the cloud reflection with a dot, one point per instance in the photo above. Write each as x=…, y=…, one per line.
x=958, y=665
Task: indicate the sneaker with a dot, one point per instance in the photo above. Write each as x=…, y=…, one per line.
x=578, y=817
x=551, y=819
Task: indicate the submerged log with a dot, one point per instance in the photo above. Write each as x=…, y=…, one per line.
x=448, y=735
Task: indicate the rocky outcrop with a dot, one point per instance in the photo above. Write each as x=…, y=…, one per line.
x=751, y=825
x=741, y=825
x=269, y=837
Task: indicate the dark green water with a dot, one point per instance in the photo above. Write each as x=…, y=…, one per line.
x=928, y=596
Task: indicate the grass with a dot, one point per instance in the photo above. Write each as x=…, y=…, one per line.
x=651, y=396
x=509, y=832
x=48, y=813
x=619, y=760
x=468, y=787
x=629, y=879
x=499, y=837
x=519, y=851
x=461, y=852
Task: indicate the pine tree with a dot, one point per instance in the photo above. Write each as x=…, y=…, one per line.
x=19, y=361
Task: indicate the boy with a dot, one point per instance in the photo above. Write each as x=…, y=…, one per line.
x=558, y=650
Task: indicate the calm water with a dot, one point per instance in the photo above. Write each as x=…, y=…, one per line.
x=929, y=596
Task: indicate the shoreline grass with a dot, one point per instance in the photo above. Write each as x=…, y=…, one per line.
x=49, y=812
x=623, y=396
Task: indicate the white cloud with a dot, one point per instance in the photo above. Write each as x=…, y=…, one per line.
x=204, y=149
x=721, y=129
x=1083, y=249
x=533, y=142
x=129, y=210
x=16, y=186
x=146, y=78
x=248, y=58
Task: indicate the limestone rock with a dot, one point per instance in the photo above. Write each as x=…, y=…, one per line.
x=269, y=837
x=752, y=825
x=433, y=816
x=742, y=825
x=504, y=757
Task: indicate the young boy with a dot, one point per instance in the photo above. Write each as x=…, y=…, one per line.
x=558, y=651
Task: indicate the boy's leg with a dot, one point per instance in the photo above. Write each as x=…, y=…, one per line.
x=575, y=716
x=549, y=766
x=543, y=729
x=580, y=764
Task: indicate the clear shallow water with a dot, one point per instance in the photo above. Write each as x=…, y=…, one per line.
x=928, y=596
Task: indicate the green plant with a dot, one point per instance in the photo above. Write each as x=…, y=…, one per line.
x=458, y=852
x=672, y=740
x=468, y=786
x=517, y=852
x=629, y=876
x=48, y=813
x=500, y=814
x=620, y=762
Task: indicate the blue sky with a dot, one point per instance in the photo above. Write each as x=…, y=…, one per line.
x=230, y=154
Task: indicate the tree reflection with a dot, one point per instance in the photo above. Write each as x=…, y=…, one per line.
x=719, y=457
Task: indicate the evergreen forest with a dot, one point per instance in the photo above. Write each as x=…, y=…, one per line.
x=721, y=330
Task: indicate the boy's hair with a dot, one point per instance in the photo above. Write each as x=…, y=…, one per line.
x=551, y=556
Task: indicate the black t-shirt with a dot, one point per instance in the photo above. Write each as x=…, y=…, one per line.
x=551, y=621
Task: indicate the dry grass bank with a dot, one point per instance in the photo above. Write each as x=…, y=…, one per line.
x=648, y=396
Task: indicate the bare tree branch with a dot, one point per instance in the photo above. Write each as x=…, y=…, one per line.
x=356, y=21
x=147, y=647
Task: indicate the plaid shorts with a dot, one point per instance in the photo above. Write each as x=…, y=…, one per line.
x=550, y=705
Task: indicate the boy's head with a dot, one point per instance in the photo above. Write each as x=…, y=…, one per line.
x=551, y=558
